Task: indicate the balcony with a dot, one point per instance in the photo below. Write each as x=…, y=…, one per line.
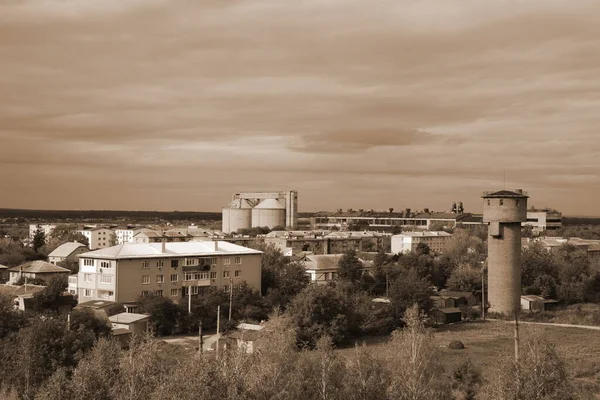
x=199, y=282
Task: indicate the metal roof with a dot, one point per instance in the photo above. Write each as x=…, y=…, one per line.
x=39, y=267
x=127, y=318
x=66, y=249
x=504, y=194
x=270, y=204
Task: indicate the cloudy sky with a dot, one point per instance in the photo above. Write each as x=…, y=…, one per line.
x=164, y=105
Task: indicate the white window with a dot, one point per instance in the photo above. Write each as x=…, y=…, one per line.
x=191, y=261
x=145, y=264
x=105, y=264
x=87, y=277
x=174, y=292
x=88, y=262
x=238, y=260
x=189, y=276
x=160, y=278
x=146, y=280
x=105, y=278
x=203, y=275
x=88, y=293
x=144, y=293
x=213, y=275
x=238, y=274
x=160, y=263
x=159, y=293
x=174, y=277
x=227, y=261
x=213, y=261
x=194, y=289
x=225, y=274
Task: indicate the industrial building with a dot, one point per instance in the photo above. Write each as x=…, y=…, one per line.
x=325, y=242
x=385, y=221
x=504, y=211
x=543, y=220
x=261, y=209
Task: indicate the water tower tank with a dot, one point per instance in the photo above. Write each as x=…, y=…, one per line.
x=238, y=215
x=269, y=213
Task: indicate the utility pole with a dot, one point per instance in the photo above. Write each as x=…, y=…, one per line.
x=218, y=328
x=200, y=341
x=68, y=321
x=516, y=335
x=189, y=299
x=483, y=293
x=230, y=296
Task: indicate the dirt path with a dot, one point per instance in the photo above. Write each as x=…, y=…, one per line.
x=592, y=328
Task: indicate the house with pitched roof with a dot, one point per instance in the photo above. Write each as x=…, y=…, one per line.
x=37, y=270
x=69, y=251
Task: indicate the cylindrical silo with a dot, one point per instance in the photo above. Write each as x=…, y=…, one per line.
x=238, y=215
x=269, y=213
x=504, y=211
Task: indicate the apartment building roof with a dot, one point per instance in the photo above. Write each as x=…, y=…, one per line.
x=171, y=249
x=66, y=249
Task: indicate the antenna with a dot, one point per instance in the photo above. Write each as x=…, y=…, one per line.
x=504, y=178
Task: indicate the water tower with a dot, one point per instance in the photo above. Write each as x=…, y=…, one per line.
x=504, y=211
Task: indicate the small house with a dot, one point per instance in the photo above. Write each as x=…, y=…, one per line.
x=135, y=323
x=69, y=252
x=245, y=335
x=443, y=316
x=37, y=270
x=534, y=303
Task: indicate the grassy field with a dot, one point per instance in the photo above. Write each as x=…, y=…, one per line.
x=487, y=343
x=577, y=314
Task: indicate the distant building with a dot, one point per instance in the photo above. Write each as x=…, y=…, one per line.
x=125, y=234
x=67, y=252
x=46, y=228
x=543, y=220
x=261, y=209
x=3, y=273
x=37, y=270
x=244, y=336
x=537, y=303
x=137, y=324
x=151, y=236
x=124, y=272
x=325, y=242
x=408, y=241
x=323, y=269
x=72, y=286
x=99, y=238
x=380, y=220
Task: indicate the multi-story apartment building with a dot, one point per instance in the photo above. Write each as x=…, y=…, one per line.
x=46, y=228
x=99, y=238
x=408, y=241
x=122, y=273
x=124, y=234
x=543, y=220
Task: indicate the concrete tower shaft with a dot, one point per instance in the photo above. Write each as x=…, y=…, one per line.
x=504, y=211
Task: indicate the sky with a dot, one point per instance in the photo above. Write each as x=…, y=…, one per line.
x=176, y=105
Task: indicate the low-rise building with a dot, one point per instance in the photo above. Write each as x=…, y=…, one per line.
x=125, y=234
x=326, y=242
x=4, y=274
x=72, y=286
x=99, y=237
x=537, y=303
x=37, y=270
x=135, y=323
x=323, y=269
x=408, y=241
x=67, y=252
x=172, y=269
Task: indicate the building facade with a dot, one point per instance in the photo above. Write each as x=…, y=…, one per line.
x=384, y=221
x=324, y=242
x=46, y=228
x=99, y=238
x=69, y=251
x=122, y=273
x=408, y=241
x=543, y=220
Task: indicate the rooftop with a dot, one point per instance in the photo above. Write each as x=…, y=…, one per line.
x=96, y=304
x=66, y=249
x=39, y=267
x=14, y=290
x=127, y=318
x=152, y=250
x=505, y=193
x=423, y=234
x=326, y=261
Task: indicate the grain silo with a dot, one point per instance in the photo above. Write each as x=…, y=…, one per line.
x=504, y=211
x=238, y=215
x=269, y=213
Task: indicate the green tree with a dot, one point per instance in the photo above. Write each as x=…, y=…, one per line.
x=318, y=311
x=11, y=320
x=465, y=279
x=49, y=299
x=88, y=320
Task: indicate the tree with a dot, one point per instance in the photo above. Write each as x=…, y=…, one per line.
x=287, y=281
x=88, y=320
x=11, y=320
x=350, y=268
x=465, y=279
x=422, y=249
x=539, y=374
x=415, y=377
x=409, y=289
x=164, y=314
x=39, y=240
x=317, y=311
x=49, y=298
x=466, y=381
